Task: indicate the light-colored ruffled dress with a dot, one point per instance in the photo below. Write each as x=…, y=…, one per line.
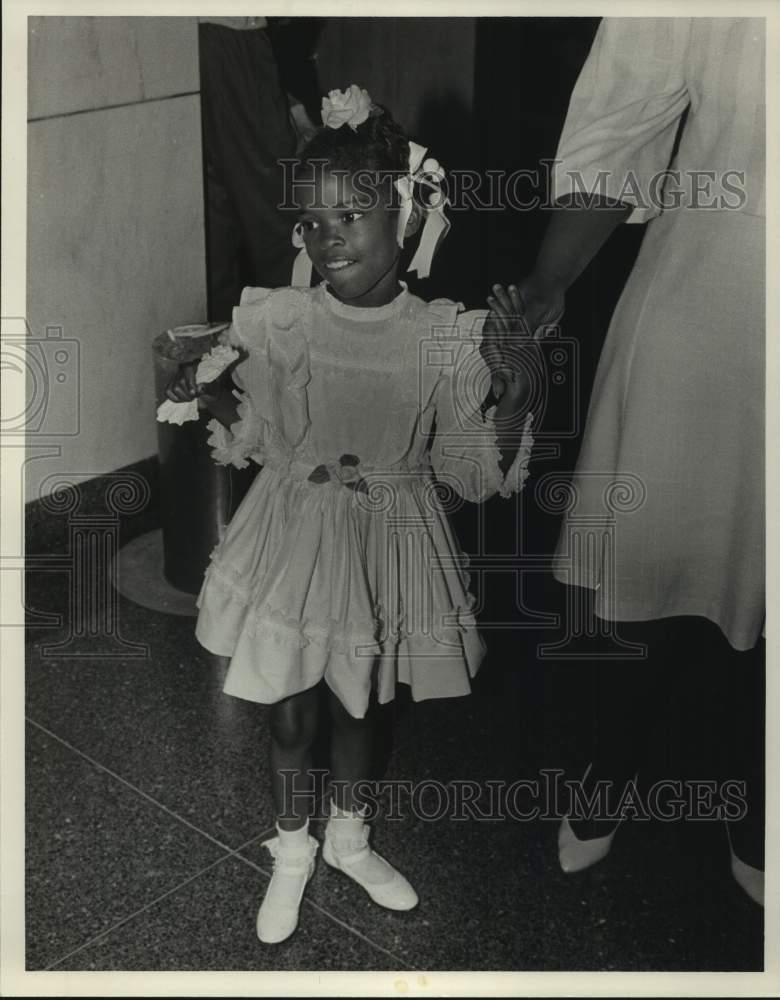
x=340, y=562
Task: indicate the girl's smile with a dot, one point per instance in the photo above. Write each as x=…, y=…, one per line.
x=351, y=240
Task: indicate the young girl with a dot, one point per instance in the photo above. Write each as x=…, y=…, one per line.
x=339, y=564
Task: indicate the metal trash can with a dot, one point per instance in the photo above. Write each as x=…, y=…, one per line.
x=197, y=496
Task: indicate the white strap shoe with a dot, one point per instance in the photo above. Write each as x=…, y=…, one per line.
x=293, y=867
x=353, y=856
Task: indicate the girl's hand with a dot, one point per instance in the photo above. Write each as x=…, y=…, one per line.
x=517, y=318
x=506, y=338
x=521, y=310
x=183, y=388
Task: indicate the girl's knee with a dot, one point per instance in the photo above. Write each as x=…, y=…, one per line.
x=293, y=723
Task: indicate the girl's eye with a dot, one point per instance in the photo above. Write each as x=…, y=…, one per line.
x=352, y=216
x=308, y=225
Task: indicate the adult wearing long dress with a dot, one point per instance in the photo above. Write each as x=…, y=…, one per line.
x=677, y=409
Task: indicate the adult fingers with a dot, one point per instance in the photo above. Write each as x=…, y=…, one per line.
x=498, y=314
x=501, y=294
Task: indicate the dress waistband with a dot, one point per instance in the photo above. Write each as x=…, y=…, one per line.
x=340, y=473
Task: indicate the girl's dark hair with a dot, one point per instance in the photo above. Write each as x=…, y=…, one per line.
x=378, y=144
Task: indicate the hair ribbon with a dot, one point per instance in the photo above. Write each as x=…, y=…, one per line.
x=427, y=173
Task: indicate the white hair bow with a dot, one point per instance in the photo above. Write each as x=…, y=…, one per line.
x=427, y=173
x=301, y=272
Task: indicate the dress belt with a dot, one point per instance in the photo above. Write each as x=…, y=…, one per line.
x=339, y=473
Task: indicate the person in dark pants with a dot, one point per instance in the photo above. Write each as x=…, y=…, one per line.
x=246, y=130
x=673, y=445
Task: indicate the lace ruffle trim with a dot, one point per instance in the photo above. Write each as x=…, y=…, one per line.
x=514, y=480
x=234, y=448
x=283, y=628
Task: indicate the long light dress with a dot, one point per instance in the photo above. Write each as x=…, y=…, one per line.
x=667, y=512
x=340, y=562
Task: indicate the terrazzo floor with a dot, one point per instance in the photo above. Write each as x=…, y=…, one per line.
x=148, y=801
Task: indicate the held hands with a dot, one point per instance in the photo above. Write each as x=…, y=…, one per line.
x=517, y=317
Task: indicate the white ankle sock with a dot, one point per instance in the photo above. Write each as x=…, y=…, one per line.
x=346, y=832
x=294, y=838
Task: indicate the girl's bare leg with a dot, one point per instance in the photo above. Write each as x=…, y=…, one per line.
x=293, y=728
x=351, y=753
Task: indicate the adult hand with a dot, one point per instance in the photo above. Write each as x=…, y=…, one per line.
x=542, y=302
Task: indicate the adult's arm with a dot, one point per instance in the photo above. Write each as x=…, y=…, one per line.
x=616, y=143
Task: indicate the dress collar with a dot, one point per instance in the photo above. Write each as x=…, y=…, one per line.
x=368, y=313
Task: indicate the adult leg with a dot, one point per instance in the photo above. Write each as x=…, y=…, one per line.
x=223, y=231
x=246, y=118
x=626, y=697
x=740, y=682
x=223, y=244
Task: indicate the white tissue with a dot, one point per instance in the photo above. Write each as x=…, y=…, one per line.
x=215, y=362
x=210, y=367
x=177, y=413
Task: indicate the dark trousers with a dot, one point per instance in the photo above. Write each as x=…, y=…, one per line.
x=693, y=686
x=246, y=129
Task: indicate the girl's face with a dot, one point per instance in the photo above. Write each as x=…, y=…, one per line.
x=350, y=236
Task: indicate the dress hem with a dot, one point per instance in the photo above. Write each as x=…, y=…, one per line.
x=631, y=613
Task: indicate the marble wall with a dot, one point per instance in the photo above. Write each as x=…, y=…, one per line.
x=115, y=241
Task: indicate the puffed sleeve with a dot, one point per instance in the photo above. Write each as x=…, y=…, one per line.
x=464, y=454
x=269, y=381
x=624, y=112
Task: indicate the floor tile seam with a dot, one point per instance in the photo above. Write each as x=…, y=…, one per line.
x=228, y=852
x=136, y=913
x=323, y=911
x=134, y=788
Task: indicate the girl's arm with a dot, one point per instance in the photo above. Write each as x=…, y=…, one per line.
x=509, y=420
x=219, y=400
